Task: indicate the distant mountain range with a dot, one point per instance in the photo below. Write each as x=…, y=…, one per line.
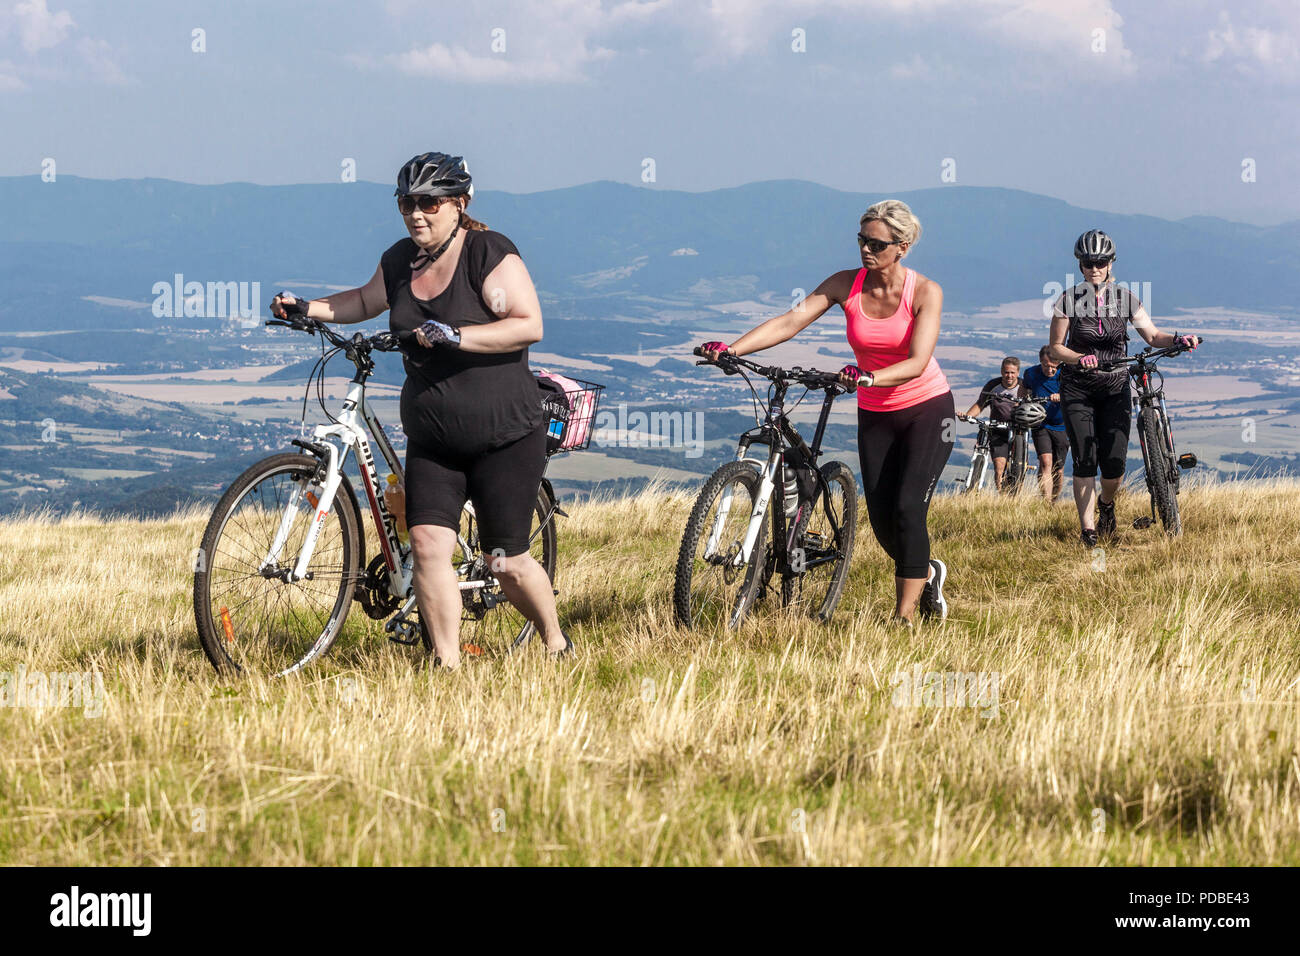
x=602, y=248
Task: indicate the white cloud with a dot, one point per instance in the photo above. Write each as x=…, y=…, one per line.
x=97, y=55
x=457, y=63
x=1253, y=50
x=1060, y=29
x=560, y=42
x=9, y=79
x=556, y=43
x=38, y=27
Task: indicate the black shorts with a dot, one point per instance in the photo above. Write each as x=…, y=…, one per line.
x=999, y=443
x=502, y=482
x=1054, y=442
x=1098, y=426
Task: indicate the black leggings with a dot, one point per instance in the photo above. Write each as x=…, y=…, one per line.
x=502, y=483
x=1098, y=427
x=902, y=453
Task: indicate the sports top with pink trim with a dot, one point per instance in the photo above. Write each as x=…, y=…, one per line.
x=878, y=343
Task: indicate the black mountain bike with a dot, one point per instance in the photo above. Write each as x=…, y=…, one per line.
x=1013, y=478
x=1156, y=435
x=725, y=563
x=283, y=555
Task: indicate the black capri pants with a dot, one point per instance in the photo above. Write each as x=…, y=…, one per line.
x=1098, y=428
x=502, y=482
x=902, y=453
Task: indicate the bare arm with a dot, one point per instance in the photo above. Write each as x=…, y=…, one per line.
x=1056, y=347
x=508, y=291
x=786, y=326
x=1152, y=335
x=927, y=306
x=347, y=307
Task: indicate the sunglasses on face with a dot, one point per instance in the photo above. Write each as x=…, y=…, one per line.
x=407, y=204
x=1094, y=263
x=876, y=245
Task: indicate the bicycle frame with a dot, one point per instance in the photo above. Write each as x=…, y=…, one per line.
x=348, y=430
x=352, y=436
x=779, y=435
x=983, y=447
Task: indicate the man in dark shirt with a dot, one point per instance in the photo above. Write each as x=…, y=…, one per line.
x=999, y=396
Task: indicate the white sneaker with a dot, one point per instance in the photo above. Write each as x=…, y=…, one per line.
x=933, y=602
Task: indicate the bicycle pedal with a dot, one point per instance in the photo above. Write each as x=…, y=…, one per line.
x=1142, y=523
x=1187, y=461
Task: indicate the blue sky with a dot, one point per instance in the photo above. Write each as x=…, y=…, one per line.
x=1137, y=107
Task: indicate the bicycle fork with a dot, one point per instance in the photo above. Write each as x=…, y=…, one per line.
x=765, y=487
x=321, y=507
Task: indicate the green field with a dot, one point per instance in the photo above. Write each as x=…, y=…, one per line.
x=1146, y=709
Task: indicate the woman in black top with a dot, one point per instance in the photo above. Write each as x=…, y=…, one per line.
x=470, y=407
x=1089, y=327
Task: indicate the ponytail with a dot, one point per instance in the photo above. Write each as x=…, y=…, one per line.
x=469, y=222
x=466, y=222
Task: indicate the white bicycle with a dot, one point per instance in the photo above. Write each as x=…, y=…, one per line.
x=283, y=556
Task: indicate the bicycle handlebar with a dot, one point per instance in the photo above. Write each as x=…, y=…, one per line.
x=985, y=422
x=810, y=377
x=379, y=342
x=1147, y=355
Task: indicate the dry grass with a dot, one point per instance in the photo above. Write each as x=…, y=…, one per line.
x=1146, y=714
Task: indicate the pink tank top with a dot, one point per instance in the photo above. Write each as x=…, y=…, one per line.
x=881, y=342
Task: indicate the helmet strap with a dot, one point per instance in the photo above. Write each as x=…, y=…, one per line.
x=429, y=258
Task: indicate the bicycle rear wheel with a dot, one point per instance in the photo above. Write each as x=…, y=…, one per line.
x=709, y=587
x=1162, y=472
x=248, y=614
x=488, y=619
x=823, y=545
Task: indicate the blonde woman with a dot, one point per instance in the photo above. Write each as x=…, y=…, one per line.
x=905, y=407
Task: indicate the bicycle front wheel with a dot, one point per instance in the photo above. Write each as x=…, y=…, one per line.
x=975, y=477
x=248, y=612
x=823, y=545
x=1014, y=477
x=711, y=585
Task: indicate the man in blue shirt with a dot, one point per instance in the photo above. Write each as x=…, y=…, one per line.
x=1050, y=441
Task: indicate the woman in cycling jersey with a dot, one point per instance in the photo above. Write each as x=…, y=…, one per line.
x=470, y=407
x=1090, y=327
x=905, y=407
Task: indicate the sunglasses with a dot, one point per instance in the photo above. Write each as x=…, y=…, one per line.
x=876, y=245
x=406, y=204
x=1094, y=263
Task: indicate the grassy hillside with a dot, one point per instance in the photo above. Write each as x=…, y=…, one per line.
x=1147, y=713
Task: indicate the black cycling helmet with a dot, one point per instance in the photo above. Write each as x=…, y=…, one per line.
x=1028, y=415
x=1094, y=244
x=434, y=174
